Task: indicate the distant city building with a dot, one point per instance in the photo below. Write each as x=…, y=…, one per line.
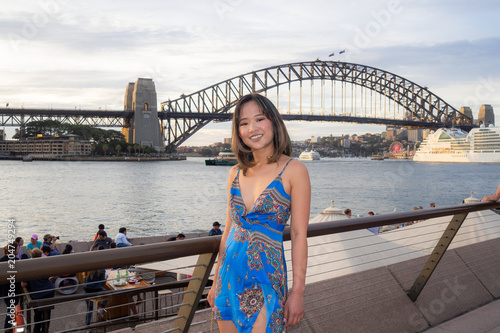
x=62, y=145
x=185, y=150
x=227, y=141
x=346, y=143
x=2, y=134
x=315, y=139
x=396, y=133
x=415, y=135
x=486, y=115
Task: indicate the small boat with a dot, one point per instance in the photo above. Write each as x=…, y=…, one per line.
x=225, y=157
x=309, y=155
x=27, y=159
x=378, y=157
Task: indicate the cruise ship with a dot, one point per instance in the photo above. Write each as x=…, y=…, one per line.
x=480, y=145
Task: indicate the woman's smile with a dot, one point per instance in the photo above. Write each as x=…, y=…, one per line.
x=255, y=129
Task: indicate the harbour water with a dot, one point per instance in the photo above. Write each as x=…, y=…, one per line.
x=69, y=199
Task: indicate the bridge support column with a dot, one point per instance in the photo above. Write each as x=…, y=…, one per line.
x=144, y=127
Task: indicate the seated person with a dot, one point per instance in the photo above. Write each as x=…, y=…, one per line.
x=215, y=230
x=102, y=240
x=122, y=240
x=20, y=242
x=50, y=240
x=40, y=288
x=179, y=237
x=68, y=249
x=34, y=244
x=45, y=251
x=99, y=228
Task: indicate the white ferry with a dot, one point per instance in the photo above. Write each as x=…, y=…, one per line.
x=309, y=155
x=480, y=145
x=225, y=157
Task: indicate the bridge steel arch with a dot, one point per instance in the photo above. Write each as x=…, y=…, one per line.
x=189, y=113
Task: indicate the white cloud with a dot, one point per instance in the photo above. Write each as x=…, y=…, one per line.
x=84, y=53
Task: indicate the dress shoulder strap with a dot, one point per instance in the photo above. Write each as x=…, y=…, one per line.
x=285, y=166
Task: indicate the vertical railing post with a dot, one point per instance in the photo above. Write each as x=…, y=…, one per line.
x=436, y=255
x=195, y=290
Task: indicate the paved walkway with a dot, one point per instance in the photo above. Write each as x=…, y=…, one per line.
x=485, y=319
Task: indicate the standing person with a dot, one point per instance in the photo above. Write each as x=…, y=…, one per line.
x=215, y=230
x=101, y=228
x=34, y=244
x=122, y=240
x=250, y=292
x=40, y=288
x=493, y=197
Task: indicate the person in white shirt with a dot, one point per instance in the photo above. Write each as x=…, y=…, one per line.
x=122, y=240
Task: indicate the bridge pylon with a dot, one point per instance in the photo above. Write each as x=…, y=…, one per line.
x=144, y=127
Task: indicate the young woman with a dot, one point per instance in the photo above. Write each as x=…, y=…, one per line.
x=266, y=190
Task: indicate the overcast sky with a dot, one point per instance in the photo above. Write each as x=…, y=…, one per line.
x=66, y=54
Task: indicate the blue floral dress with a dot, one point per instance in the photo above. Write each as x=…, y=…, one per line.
x=252, y=269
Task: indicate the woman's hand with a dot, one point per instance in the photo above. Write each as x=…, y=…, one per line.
x=211, y=296
x=294, y=309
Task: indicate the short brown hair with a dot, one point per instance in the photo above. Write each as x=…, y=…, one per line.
x=36, y=253
x=281, y=139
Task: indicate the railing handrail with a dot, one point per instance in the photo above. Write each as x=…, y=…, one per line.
x=86, y=261
x=320, y=229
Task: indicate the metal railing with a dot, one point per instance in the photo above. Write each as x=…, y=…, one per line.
x=188, y=292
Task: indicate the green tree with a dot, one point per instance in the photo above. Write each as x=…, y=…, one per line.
x=105, y=148
x=118, y=148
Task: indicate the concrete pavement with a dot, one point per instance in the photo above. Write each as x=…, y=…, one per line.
x=485, y=319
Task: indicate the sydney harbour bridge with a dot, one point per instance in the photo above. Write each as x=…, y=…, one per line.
x=324, y=91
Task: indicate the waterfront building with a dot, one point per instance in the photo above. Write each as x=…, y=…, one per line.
x=417, y=134
x=62, y=145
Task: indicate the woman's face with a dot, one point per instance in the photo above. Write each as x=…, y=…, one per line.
x=254, y=128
